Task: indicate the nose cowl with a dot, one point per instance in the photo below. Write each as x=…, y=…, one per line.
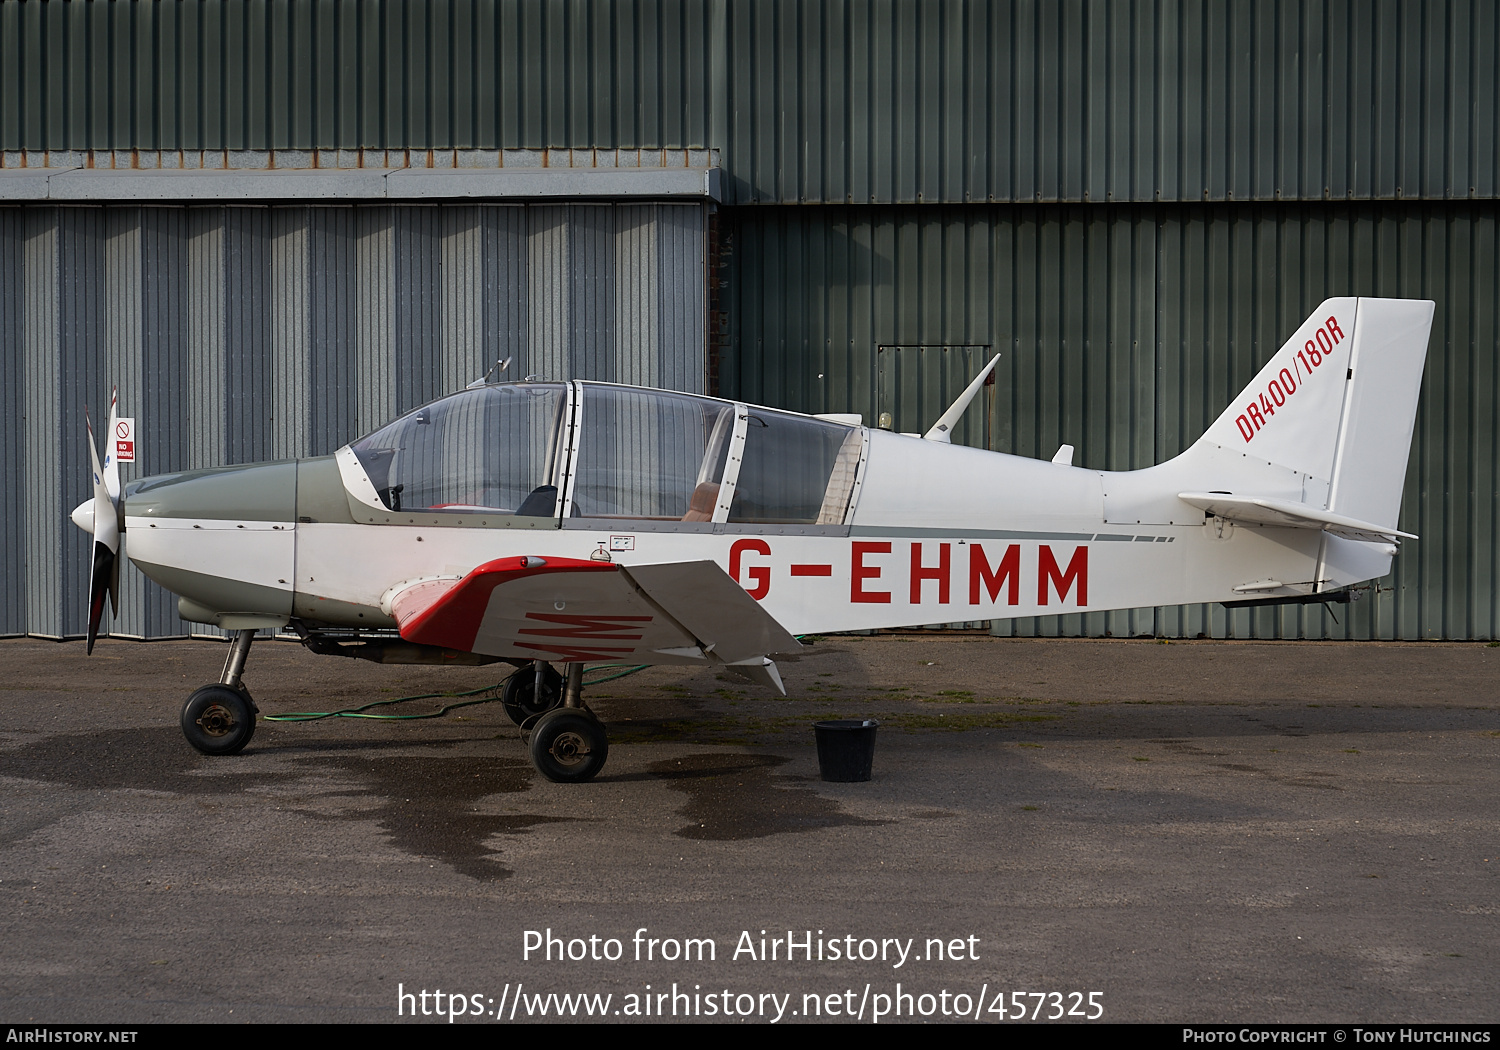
x=251, y=492
x=222, y=540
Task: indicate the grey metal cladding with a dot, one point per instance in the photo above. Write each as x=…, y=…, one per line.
x=418, y=340
x=590, y=279
x=131, y=306
x=205, y=321
x=165, y=361
x=41, y=406
x=462, y=293
x=243, y=334
x=14, y=467
x=247, y=335
x=81, y=319
x=1125, y=330
x=839, y=101
x=504, y=298
x=288, y=396
x=375, y=316
x=333, y=330
x=549, y=292
x=679, y=261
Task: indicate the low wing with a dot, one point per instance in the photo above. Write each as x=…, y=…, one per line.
x=567, y=610
x=1289, y=514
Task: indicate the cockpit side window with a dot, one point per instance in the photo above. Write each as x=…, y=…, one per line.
x=493, y=449
x=650, y=455
x=795, y=470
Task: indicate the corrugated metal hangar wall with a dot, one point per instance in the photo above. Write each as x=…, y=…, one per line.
x=243, y=334
x=1135, y=202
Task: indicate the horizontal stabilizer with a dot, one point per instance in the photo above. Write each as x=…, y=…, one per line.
x=567, y=610
x=1289, y=514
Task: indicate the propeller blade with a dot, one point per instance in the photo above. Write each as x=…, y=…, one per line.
x=112, y=483
x=111, y=461
x=102, y=570
x=100, y=576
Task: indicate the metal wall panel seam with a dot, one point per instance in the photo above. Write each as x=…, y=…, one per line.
x=506, y=298
x=333, y=368
x=41, y=454
x=462, y=320
x=82, y=311
x=14, y=471
x=375, y=318
x=592, y=275
x=287, y=294
x=637, y=339
x=121, y=332
x=167, y=350
x=549, y=292
x=206, y=319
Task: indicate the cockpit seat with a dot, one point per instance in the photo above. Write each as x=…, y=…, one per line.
x=541, y=502
x=701, y=505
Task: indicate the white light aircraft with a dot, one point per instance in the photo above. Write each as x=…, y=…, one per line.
x=552, y=524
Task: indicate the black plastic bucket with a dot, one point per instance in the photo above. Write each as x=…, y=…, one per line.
x=846, y=749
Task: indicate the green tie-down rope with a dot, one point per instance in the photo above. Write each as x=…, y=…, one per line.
x=363, y=710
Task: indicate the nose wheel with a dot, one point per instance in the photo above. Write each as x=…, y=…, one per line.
x=219, y=719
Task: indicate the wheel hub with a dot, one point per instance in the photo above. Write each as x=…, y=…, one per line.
x=217, y=720
x=570, y=748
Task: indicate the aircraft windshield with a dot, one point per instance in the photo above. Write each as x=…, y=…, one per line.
x=493, y=448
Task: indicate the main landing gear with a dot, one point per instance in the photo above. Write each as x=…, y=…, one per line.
x=567, y=743
x=219, y=719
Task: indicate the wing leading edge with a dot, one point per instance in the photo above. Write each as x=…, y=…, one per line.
x=568, y=610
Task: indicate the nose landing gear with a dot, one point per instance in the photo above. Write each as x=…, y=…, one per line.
x=219, y=718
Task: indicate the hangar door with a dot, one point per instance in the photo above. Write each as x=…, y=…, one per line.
x=238, y=334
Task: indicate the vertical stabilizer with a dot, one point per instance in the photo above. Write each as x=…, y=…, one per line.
x=1337, y=404
x=1289, y=414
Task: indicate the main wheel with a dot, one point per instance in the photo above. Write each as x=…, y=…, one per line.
x=218, y=720
x=568, y=745
x=520, y=697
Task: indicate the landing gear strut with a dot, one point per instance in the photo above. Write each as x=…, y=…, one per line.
x=568, y=744
x=219, y=719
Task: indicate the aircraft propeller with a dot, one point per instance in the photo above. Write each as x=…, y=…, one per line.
x=100, y=516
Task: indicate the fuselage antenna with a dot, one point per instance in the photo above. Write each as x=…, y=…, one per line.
x=499, y=367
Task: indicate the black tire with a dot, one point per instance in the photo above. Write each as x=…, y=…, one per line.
x=218, y=720
x=568, y=745
x=519, y=694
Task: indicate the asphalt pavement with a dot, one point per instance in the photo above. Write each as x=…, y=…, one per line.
x=1069, y=829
